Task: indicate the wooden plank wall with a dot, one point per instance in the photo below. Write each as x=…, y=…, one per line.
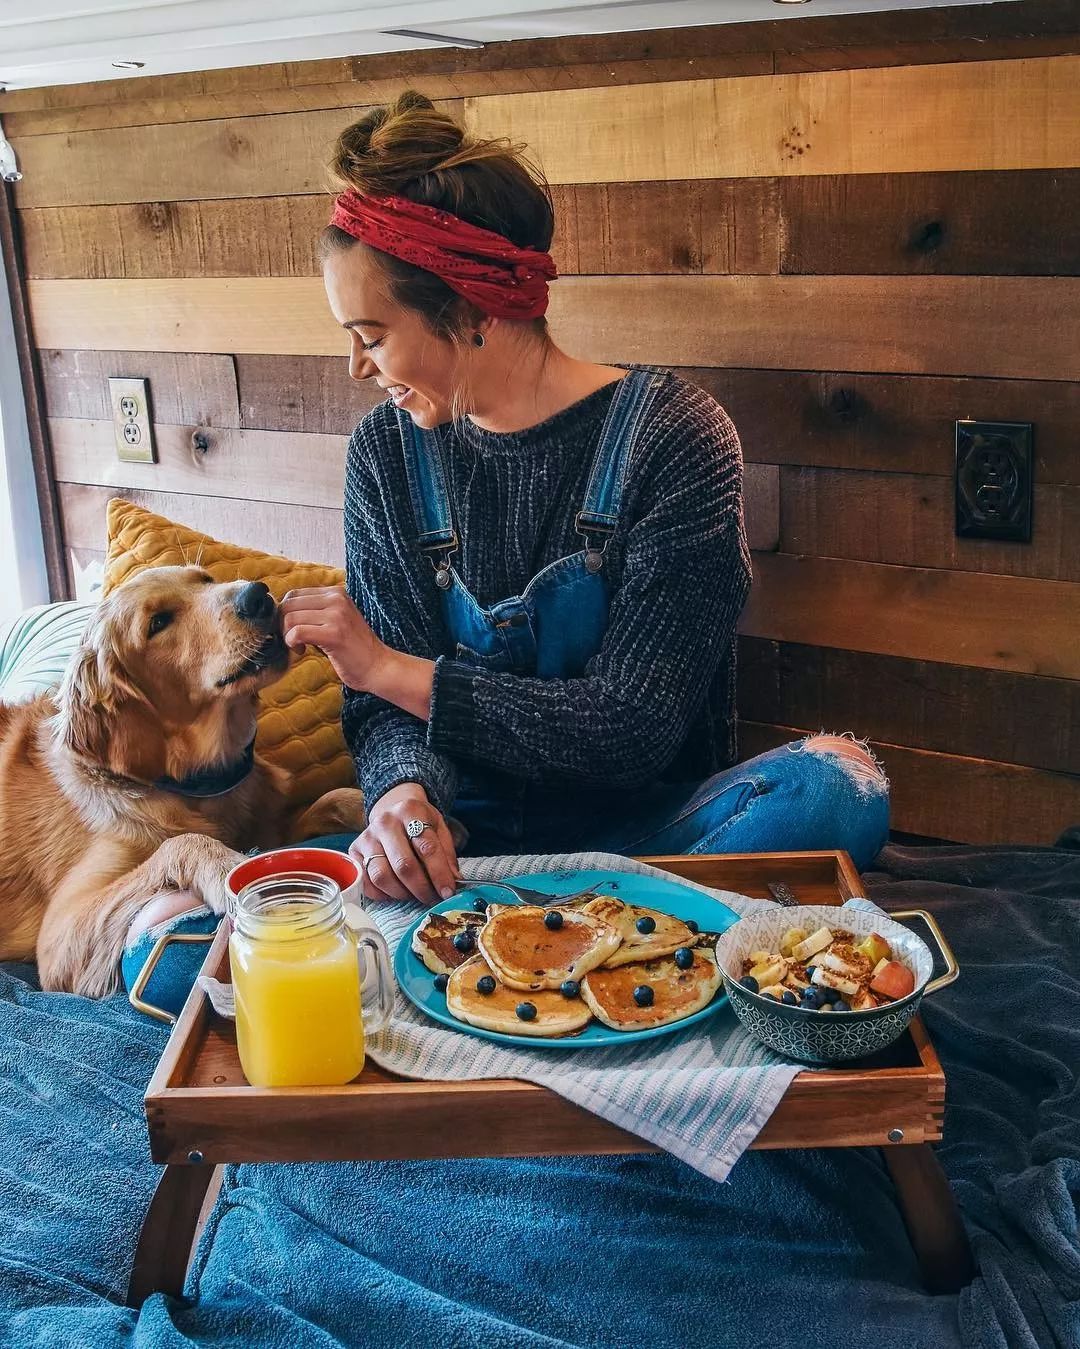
x=852, y=231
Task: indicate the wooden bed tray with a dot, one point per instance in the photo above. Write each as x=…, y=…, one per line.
x=201, y=1112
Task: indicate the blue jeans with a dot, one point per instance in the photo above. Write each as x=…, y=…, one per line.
x=785, y=800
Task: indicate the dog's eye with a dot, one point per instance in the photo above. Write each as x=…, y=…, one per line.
x=206, y=580
x=158, y=623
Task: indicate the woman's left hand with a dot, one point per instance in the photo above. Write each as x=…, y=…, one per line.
x=325, y=616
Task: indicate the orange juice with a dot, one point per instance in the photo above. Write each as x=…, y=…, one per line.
x=296, y=982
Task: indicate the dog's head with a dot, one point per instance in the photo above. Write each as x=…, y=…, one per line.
x=166, y=676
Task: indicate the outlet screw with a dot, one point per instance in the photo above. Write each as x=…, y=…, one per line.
x=195, y=1156
x=896, y=1135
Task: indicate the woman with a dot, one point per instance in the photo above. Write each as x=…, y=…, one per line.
x=545, y=557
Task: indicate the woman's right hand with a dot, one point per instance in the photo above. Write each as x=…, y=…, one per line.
x=396, y=866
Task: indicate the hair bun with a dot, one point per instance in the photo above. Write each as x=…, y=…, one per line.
x=392, y=146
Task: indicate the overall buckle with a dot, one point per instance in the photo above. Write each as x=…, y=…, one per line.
x=440, y=554
x=594, y=552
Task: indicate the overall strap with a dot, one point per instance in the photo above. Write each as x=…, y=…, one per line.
x=426, y=474
x=600, y=512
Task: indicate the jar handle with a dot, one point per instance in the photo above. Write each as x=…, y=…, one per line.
x=384, y=1002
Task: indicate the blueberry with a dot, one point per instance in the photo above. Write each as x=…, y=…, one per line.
x=441, y=980
x=569, y=988
x=526, y=1011
x=464, y=941
x=694, y=927
x=684, y=957
x=749, y=982
x=480, y=905
x=790, y=998
x=810, y=993
x=810, y=971
x=839, y=1006
x=485, y=984
x=830, y=995
x=553, y=919
x=643, y=995
x=646, y=925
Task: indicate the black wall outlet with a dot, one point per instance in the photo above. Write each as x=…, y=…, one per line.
x=993, y=480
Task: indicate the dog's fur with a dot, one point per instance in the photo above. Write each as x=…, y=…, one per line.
x=86, y=837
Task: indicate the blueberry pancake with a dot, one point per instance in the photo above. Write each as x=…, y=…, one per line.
x=532, y=948
x=434, y=940
x=475, y=995
x=646, y=933
x=650, y=993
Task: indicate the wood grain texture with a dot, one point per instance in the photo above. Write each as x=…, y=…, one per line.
x=306, y=393
x=890, y=423
x=973, y=800
x=990, y=115
x=685, y=228
x=908, y=520
x=906, y=37
x=308, y=533
x=993, y=223
x=279, y=466
x=187, y=390
x=911, y=325
x=995, y=622
x=986, y=115
x=246, y=465
x=950, y=709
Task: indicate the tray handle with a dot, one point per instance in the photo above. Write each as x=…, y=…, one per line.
x=952, y=969
x=157, y=951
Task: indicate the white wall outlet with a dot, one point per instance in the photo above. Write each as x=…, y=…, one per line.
x=130, y=401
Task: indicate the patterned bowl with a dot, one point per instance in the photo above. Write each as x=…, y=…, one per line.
x=829, y=1037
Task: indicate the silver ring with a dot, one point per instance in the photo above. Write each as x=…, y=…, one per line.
x=367, y=861
x=414, y=828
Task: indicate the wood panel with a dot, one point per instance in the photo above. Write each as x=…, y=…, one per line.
x=890, y=324
x=951, y=117
x=187, y=390
x=890, y=423
x=908, y=520
x=964, y=800
x=247, y=465
x=308, y=533
x=950, y=709
x=305, y=393
x=957, y=33
x=720, y=227
x=997, y=622
x=895, y=120
x=1002, y=223
x=280, y=466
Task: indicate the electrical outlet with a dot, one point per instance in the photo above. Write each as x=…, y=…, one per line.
x=993, y=480
x=130, y=400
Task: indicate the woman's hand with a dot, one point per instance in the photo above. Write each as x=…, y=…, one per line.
x=396, y=866
x=324, y=616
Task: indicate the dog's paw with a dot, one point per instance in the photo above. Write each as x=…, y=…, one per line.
x=201, y=864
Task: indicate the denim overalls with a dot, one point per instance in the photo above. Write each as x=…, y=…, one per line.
x=555, y=626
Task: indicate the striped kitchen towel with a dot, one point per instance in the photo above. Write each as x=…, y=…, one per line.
x=702, y=1094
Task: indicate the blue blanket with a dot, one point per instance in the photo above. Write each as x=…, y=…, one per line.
x=797, y=1248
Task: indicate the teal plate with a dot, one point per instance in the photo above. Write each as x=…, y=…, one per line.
x=418, y=983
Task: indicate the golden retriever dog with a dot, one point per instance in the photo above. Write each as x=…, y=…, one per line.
x=137, y=778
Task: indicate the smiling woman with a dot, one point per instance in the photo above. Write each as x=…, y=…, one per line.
x=545, y=557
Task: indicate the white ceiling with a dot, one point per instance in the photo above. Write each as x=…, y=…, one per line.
x=71, y=41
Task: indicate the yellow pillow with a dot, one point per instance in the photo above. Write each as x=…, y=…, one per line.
x=300, y=721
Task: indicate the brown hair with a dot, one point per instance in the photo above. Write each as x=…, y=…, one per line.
x=411, y=149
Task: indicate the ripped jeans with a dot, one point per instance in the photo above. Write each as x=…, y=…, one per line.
x=788, y=799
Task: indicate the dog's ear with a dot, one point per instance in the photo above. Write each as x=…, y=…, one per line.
x=95, y=687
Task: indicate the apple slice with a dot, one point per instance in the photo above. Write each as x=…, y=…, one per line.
x=893, y=981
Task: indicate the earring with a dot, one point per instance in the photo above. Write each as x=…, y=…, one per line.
x=478, y=339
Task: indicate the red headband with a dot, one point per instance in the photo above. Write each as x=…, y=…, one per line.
x=495, y=275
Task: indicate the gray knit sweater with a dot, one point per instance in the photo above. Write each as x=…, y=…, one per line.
x=657, y=701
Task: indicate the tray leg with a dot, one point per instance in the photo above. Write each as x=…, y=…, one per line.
x=170, y=1230
x=931, y=1216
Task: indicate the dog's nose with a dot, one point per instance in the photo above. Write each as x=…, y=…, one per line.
x=255, y=604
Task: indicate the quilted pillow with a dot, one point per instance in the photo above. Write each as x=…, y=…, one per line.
x=300, y=721
x=36, y=647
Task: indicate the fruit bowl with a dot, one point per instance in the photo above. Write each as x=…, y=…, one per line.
x=828, y=1037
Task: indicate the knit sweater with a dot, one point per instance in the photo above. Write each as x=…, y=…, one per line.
x=657, y=702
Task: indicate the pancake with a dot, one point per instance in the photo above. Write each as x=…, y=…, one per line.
x=667, y=936
x=433, y=940
x=609, y=992
x=528, y=955
x=555, y=1015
